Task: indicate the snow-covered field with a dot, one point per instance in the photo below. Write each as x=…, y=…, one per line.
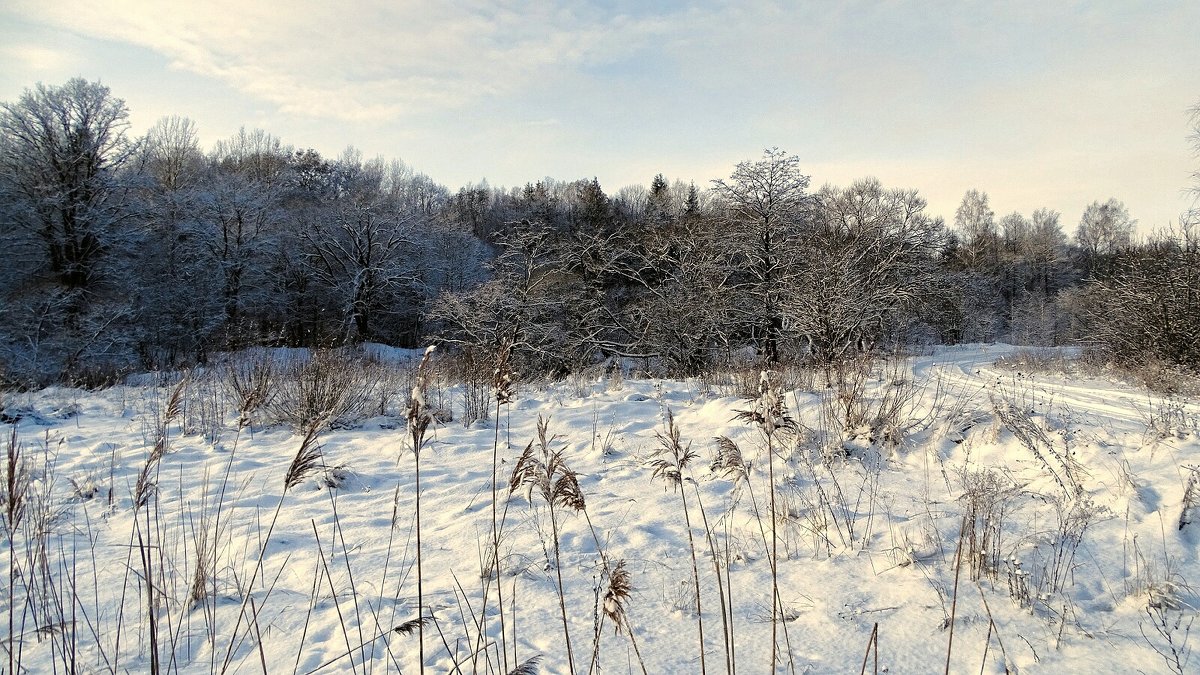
x=1036, y=518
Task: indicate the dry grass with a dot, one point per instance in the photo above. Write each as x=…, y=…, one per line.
x=869, y=401
x=1059, y=464
x=1156, y=375
x=986, y=499
x=16, y=482
x=1039, y=360
x=806, y=504
x=330, y=386
x=543, y=468
x=251, y=378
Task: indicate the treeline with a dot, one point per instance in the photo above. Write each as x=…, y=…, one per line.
x=121, y=252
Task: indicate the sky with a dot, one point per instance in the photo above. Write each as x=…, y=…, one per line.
x=1049, y=104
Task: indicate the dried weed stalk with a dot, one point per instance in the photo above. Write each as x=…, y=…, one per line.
x=674, y=458
x=543, y=469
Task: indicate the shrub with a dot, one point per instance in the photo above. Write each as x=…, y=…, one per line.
x=333, y=388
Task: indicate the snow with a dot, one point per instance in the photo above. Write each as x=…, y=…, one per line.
x=886, y=556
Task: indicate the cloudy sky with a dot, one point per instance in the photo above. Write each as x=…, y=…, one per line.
x=1041, y=104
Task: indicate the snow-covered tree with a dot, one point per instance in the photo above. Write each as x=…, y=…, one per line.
x=64, y=147
x=975, y=222
x=67, y=235
x=868, y=266
x=763, y=204
x=177, y=296
x=533, y=302
x=1148, y=307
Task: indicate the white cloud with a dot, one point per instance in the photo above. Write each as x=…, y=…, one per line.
x=34, y=58
x=364, y=61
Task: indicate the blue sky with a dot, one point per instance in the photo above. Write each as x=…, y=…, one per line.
x=1040, y=104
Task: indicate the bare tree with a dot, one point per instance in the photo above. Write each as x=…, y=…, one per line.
x=1104, y=229
x=255, y=154
x=764, y=203
x=976, y=225
x=171, y=153
x=868, y=264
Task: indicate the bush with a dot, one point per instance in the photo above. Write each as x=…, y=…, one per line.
x=1149, y=308
x=336, y=388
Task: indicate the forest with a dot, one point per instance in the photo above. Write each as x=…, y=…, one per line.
x=123, y=252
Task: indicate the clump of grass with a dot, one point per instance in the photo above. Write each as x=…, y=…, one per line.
x=853, y=410
x=1165, y=418
x=202, y=574
x=1037, y=360
x=1075, y=516
x=1159, y=376
x=328, y=386
x=471, y=368
x=1058, y=463
x=1169, y=616
x=986, y=499
x=205, y=406
x=251, y=380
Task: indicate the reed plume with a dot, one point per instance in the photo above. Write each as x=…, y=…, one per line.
x=544, y=470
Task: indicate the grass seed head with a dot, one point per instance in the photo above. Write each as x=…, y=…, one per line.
x=503, y=378
x=566, y=491
x=418, y=415
x=729, y=461
x=409, y=627
x=530, y=472
x=616, y=598
x=768, y=411
x=527, y=667
x=307, y=459
x=674, y=457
